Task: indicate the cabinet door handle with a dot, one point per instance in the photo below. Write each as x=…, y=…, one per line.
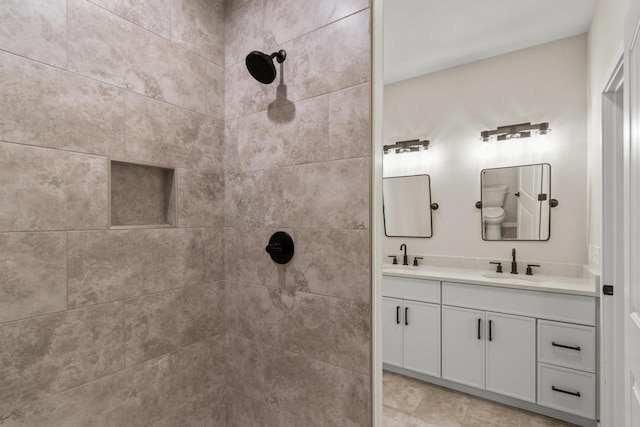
x=479, y=325
x=490, y=332
x=576, y=348
x=406, y=316
x=559, y=390
x=398, y=315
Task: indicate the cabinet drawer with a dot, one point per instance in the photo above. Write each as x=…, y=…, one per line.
x=567, y=390
x=544, y=305
x=564, y=344
x=411, y=289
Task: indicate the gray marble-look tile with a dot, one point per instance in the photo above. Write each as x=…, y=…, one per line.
x=231, y=161
x=441, y=406
x=154, y=15
x=33, y=274
x=259, y=313
x=110, y=49
x=36, y=29
x=321, y=195
x=141, y=195
x=244, y=30
x=244, y=199
x=48, y=107
x=243, y=411
x=52, y=353
x=246, y=366
x=215, y=90
x=246, y=261
x=160, y=323
x=349, y=122
x=214, y=254
x=311, y=390
x=318, y=70
x=331, y=262
x=401, y=393
x=288, y=135
x=333, y=330
x=292, y=18
x=44, y=189
x=244, y=95
x=111, y=265
x=209, y=410
x=198, y=25
x=201, y=198
x=140, y=396
x=160, y=133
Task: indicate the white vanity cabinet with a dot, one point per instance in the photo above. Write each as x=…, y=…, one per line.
x=492, y=351
x=411, y=325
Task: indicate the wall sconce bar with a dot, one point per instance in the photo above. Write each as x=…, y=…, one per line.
x=407, y=146
x=522, y=130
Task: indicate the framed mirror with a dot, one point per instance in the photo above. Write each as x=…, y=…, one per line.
x=407, y=206
x=516, y=203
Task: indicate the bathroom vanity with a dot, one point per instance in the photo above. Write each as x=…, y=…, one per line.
x=529, y=342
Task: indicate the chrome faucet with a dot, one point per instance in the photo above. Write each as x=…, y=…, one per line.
x=514, y=264
x=405, y=258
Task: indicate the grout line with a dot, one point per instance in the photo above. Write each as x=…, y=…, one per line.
x=66, y=263
x=125, y=299
x=49, y=396
x=122, y=88
x=297, y=101
x=300, y=354
x=231, y=282
x=276, y=45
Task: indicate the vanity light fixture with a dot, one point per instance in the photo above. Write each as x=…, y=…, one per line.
x=407, y=146
x=522, y=130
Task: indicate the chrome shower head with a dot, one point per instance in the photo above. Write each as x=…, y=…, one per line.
x=261, y=66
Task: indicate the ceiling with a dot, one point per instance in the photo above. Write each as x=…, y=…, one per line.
x=423, y=36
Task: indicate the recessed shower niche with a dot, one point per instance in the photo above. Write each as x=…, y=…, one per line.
x=142, y=195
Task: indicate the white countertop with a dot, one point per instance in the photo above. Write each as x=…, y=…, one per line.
x=557, y=284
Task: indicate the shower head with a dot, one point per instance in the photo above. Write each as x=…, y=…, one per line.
x=261, y=67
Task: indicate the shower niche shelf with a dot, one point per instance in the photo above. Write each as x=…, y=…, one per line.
x=142, y=196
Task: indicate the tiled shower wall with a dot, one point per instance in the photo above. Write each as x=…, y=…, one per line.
x=126, y=327
x=297, y=159
x=105, y=327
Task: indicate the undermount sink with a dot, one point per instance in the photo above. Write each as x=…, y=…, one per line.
x=512, y=277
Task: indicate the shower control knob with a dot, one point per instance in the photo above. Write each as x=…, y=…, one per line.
x=280, y=247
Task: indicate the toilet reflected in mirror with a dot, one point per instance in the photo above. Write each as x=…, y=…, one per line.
x=516, y=202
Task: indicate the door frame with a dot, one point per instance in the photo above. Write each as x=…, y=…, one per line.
x=612, y=408
x=377, y=220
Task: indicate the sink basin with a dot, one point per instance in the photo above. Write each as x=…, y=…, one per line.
x=512, y=278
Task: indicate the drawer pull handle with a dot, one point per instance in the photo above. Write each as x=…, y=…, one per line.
x=490, y=332
x=406, y=316
x=479, y=323
x=577, y=348
x=398, y=314
x=559, y=390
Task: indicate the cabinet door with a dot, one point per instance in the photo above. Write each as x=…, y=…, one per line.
x=392, y=326
x=463, y=342
x=511, y=350
x=422, y=337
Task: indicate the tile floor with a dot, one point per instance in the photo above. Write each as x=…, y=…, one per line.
x=413, y=403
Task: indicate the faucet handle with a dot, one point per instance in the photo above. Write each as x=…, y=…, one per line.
x=415, y=260
x=395, y=258
x=499, y=266
x=529, y=270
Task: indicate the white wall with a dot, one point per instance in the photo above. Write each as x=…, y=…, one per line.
x=605, y=47
x=543, y=83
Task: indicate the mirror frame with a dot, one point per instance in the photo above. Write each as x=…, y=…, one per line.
x=548, y=199
x=384, y=217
